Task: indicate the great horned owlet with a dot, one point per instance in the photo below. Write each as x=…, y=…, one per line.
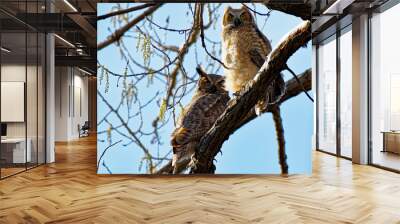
x=244, y=51
x=207, y=104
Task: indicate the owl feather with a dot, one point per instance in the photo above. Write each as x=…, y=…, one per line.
x=245, y=49
x=207, y=104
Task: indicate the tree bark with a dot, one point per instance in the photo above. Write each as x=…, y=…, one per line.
x=238, y=108
x=293, y=88
x=299, y=8
x=280, y=136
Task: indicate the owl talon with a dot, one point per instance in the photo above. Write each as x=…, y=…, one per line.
x=193, y=162
x=258, y=111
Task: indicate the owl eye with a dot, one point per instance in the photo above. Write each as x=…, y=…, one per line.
x=243, y=15
x=230, y=16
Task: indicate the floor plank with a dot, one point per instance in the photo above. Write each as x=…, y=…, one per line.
x=69, y=191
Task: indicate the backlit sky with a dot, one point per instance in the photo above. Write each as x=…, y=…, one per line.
x=253, y=148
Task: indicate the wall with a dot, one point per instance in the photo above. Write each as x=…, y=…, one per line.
x=71, y=102
x=33, y=127
x=15, y=72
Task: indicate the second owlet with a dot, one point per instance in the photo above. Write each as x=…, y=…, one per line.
x=207, y=104
x=244, y=51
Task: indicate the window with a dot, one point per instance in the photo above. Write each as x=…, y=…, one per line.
x=385, y=88
x=327, y=95
x=346, y=92
x=22, y=78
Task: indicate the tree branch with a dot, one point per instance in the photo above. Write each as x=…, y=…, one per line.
x=194, y=33
x=104, y=152
x=276, y=115
x=293, y=88
x=121, y=31
x=238, y=108
x=299, y=8
x=203, y=44
x=123, y=11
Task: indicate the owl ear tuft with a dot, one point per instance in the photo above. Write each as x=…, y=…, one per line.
x=221, y=81
x=245, y=8
x=201, y=72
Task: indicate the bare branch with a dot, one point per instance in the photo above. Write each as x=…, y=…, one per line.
x=297, y=79
x=182, y=52
x=293, y=88
x=121, y=31
x=203, y=44
x=299, y=8
x=180, y=31
x=128, y=129
x=276, y=115
x=104, y=152
x=256, y=12
x=123, y=11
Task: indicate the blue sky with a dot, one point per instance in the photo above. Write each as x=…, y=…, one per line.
x=250, y=150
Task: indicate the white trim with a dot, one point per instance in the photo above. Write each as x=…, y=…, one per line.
x=70, y=5
x=65, y=41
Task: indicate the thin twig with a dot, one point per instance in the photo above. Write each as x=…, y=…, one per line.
x=104, y=152
x=180, y=31
x=121, y=31
x=203, y=44
x=297, y=79
x=256, y=12
x=123, y=11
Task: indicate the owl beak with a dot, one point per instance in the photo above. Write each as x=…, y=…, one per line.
x=237, y=22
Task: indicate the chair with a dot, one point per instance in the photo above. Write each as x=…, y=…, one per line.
x=84, y=130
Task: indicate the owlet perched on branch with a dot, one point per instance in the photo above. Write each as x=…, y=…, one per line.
x=207, y=104
x=244, y=51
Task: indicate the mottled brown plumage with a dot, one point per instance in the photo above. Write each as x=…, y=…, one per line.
x=207, y=104
x=245, y=49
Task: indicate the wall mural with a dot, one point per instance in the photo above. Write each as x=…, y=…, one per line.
x=211, y=88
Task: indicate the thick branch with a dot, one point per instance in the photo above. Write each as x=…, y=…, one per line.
x=211, y=143
x=293, y=88
x=116, y=36
x=299, y=8
x=166, y=169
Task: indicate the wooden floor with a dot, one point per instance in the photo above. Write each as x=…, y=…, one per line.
x=69, y=191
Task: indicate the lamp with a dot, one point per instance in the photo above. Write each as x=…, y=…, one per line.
x=84, y=71
x=64, y=40
x=5, y=50
x=337, y=7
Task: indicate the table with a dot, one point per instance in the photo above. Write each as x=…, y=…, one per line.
x=16, y=147
x=391, y=141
